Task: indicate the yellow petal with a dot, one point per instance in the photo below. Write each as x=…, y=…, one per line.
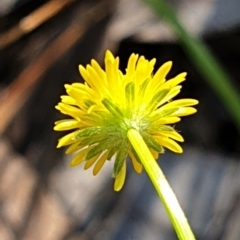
x=184, y=111
x=59, y=121
x=90, y=162
x=170, y=144
x=67, y=139
x=91, y=109
x=69, y=110
x=131, y=66
x=80, y=157
x=109, y=56
x=181, y=103
x=93, y=75
x=136, y=165
x=67, y=125
x=77, y=93
x=172, y=93
x=172, y=134
x=77, y=85
x=154, y=154
x=73, y=148
x=120, y=178
x=95, y=81
x=100, y=163
x=157, y=82
x=152, y=63
x=84, y=74
x=111, y=76
x=160, y=76
x=68, y=100
x=142, y=70
x=175, y=81
x=98, y=70
x=100, y=74
x=167, y=120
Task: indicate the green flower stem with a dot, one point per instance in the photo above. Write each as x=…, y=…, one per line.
x=162, y=187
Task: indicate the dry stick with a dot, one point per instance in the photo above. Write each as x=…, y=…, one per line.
x=14, y=96
x=33, y=21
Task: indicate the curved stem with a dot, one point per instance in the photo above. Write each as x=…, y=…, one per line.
x=162, y=187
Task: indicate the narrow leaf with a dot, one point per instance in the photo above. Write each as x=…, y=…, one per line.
x=151, y=142
x=157, y=98
x=112, y=108
x=130, y=93
x=120, y=158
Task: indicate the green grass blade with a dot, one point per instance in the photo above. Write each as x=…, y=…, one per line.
x=202, y=58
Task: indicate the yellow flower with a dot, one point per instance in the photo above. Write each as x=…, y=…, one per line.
x=110, y=103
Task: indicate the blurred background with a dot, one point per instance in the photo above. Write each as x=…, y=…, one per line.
x=41, y=44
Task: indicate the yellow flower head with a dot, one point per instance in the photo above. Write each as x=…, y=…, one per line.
x=110, y=103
